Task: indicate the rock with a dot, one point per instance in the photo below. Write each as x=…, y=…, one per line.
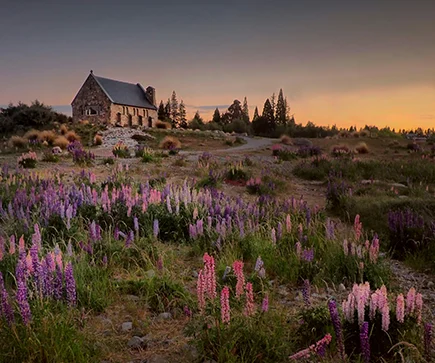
x=56, y=150
x=150, y=274
x=430, y=285
x=127, y=326
x=157, y=359
x=282, y=290
x=132, y=298
x=164, y=316
x=194, y=274
x=137, y=343
x=341, y=287
x=398, y=185
x=403, y=197
x=142, y=137
x=191, y=351
x=369, y=181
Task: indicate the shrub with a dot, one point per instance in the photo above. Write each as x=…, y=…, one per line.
x=28, y=160
x=287, y=155
x=18, y=142
x=32, y=134
x=71, y=136
x=286, y=140
x=61, y=141
x=229, y=141
x=237, y=173
x=239, y=140
x=317, y=169
x=120, y=150
x=63, y=129
x=302, y=142
x=344, y=134
x=307, y=151
x=98, y=140
x=340, y=150
x=356, y=134
x=50, y=157
x=163, y=125
x=276, y=149
x=363, y=133
x=148, y=155
x=362, y=148
x=413, y=147
x=213, y=126
x=210, y=181
x=108, y=161
x=237, y=126
x=169, y=143
x=48, y=136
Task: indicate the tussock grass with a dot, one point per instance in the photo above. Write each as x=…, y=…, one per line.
x=170, y=142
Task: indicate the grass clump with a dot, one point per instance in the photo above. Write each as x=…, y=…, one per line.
x=362, y=148
x=163, y=125
x=18, y=142
x=286, y=140
x=61, y=141
x=170, y=143
x=47, y=136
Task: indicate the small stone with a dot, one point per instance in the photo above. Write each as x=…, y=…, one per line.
x=164, y=316
x=430, y=285
x=137, y=343
x=127, y=326
x=341, y=287
x=150, y=274
x=194, y=274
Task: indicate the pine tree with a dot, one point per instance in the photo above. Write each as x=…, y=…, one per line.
x=245, y=111
x=168, y=110
x=234, y=112
x=161, y=113
x=217, y=117
x=182, y=115
x=272, y=100
x=280, y=114
x=174, y=111
x=268, y=114
x=255, y=114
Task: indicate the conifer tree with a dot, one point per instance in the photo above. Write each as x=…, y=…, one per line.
x=255, y=114
x=161, y=113
x=182, y=115
x=174, y=111
x=272, y=101
x=268, y=114
x=280, y=114
x=217, y=117
x=245, y=110
x=168, y=110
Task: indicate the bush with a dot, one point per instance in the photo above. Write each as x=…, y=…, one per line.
x=287, y=155
x=71, y=136
x=32, y=135
x=169, y=143
x=363, y=133
x=163, y=125
x=18, y=142
x=98, y=140
x=340, y=150
x=48, y=136
x=28, y=160
x=108, y=161
x=286, y=140
x=50, y=157
x=413, y=146
x=63, y=129
x=362, y=148
x=308, y=151
x=302, y=142
x=237, y=173
x=148, y=155
x=213, y=126
x=120, y=150
x=61, y=141
x=237, y=126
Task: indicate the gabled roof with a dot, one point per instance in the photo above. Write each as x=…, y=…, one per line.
x=124, y=93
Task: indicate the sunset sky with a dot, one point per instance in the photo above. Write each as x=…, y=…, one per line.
x=344, y=62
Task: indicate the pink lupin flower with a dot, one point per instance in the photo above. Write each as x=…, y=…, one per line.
x=298, y=249
x=249, y=307
x=265, y=304
x=12, y=245
x=210, y=275
x=225, y=305
x=385, y=317
x=240, y=284
x=21, y=245
x=357, y=226
x=200, y=291
x=345, y=247
x=410, y=301
x=418, y=307
x=273, y=236
x=400, y=308
x=288, y=223
x=29, y=263
x=373, y=305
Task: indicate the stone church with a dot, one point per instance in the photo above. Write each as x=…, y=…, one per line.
x=106, y=101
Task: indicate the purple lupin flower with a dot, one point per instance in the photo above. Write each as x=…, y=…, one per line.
x=47, y=279
x=306, y=292
x=21, y=295
x=187, y=311
x=105, y=260
x=265, y=304
x=332, y=305
x=279, y=231
x=36, y=237
x=116, y=233
x=308, y=254
x=330, y=229
x=129, y=239
x=70, y=285
x=156, y=229
x=5, y=307
x=69, y=249
x=428, y=341
x=136, y=224
x=58, y=284
x=364, y=341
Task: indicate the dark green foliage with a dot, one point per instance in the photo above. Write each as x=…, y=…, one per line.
x=245, y=111
x=234, y=112
x=281, y=111
x=217, y=117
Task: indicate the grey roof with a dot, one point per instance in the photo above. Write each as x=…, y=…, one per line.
x=124, y=93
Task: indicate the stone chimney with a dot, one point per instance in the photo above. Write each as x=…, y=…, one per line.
x=151, y=95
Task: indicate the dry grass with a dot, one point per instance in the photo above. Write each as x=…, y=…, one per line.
x=362, y=148
x=32, y=134
x=48, y=136
x=163, y=125
x=170, y=142
x=286, y=140
x=72, y=136
x=63, y=129
x=98, y=140
x=61, y=141
x=18, y=142
x=84, y=122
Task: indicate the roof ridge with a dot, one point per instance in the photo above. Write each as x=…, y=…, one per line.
x=115, y=80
